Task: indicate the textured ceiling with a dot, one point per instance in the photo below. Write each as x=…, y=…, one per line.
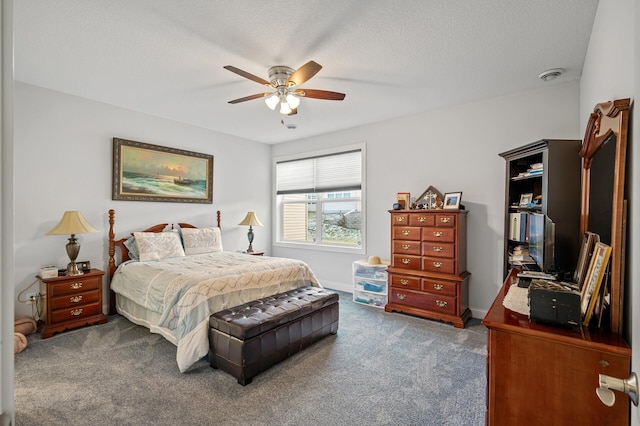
x=391, y=58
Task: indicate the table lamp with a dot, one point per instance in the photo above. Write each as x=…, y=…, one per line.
x=252, y=220
x=73, y=223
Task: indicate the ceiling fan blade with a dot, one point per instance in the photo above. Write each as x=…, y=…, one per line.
x=247, y=75
x=320, y=94
x=250, y=98
x=303, y=73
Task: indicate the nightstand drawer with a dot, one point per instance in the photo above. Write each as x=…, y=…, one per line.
x=72, y=300
x=76, y=312
x=75, y=285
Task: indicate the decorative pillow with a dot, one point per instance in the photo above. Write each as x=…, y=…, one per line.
x=131, y=245
x=201, y=240
x=158, y=245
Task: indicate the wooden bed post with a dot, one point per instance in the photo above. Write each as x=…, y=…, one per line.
x=112, y=262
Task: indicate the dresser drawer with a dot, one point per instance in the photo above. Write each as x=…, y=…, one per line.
x=446, y=250
x=78, y=285
x=445, y=266
x=439, y=234
x=75, y=299
x=76, y=312
x=406, y=233
x=447, y=220
x=404, y=281
x=422, y=219
x=400, y=219
x=407, y=261
x=407, y=247
x=433, y=302
x=449, y=288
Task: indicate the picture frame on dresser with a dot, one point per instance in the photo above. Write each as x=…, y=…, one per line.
x=452, y=200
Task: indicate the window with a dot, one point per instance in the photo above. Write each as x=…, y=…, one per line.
x=319, y=200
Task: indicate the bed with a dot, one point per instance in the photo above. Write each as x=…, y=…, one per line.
x=171, y=277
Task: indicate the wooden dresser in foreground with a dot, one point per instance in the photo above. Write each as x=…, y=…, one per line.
x=540, y=374
x=71, y=302
x=427, y=275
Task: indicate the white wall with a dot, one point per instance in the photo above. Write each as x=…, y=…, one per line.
x=454, y=149
x=612, y=71
x=63, y=161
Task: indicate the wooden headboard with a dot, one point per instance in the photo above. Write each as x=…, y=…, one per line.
x=124, y=252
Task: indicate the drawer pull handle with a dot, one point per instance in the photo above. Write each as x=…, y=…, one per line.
x=437, y=286
x=437, y=264
x=75, y=299
x=76, y=312
x=404, y=282
x=400, y=219
x=422, y=219
x=406, y=246
x=445, y=219
x=441, y=303
x=405, y=232
x=402, y=296
x=437, y=249
x=406, y=261
x=437, y=234
x=75, y=286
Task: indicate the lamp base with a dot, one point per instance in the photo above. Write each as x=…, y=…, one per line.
x=72, y=269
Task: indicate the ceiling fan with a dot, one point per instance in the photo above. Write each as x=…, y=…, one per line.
x=285, y=80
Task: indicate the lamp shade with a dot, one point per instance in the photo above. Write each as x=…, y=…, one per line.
x=251, y=219
x=72, y=222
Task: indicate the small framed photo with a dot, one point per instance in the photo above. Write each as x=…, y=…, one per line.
x=452, y=200
x=526, y=199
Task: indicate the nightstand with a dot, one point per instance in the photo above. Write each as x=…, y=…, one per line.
x=256, y=253
x=71, y=302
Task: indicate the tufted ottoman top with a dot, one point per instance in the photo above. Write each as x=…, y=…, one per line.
x=259, y=316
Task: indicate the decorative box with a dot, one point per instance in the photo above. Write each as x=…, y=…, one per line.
x=554, y=303
x=48, y=272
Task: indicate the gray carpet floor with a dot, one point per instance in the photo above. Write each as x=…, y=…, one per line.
x=380, y=369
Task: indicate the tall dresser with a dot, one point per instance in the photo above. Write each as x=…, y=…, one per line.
x=428, y=274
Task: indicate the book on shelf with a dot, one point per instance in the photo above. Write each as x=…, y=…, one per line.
x=518, y=229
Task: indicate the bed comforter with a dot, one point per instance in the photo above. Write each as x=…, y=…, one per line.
x=185, y=291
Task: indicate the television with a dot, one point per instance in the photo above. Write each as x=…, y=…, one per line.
x=542, y=235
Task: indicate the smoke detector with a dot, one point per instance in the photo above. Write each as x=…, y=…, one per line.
x=551, y=74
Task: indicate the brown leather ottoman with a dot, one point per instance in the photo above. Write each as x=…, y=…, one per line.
x=247, y=339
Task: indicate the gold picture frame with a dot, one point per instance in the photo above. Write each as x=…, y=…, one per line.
x=146, y=172
x=593, y=280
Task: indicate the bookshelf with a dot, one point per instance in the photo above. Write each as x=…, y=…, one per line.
x=543, y=177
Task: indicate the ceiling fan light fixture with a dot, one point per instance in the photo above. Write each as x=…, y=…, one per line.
x=293, y=101
x=285, y=108
x=272, y=101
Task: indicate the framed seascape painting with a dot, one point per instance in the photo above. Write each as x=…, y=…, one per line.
x=146, y=172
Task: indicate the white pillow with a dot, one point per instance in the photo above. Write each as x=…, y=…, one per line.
x=201, y=240
x=158, y=245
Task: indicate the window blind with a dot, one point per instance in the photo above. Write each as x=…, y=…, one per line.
x=326, y=173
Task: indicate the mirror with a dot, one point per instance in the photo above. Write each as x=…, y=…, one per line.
x=604, y=152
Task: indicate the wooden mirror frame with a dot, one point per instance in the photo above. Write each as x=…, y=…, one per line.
x=609, y=119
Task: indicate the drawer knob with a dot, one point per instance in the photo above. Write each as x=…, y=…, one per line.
x=406, y=246
x=441, y=303
x=422, y=219
x=75, y=299
x=437, y=286
x=402, y=296
x=437, y=249
x=76, y=312
x=437, y=234
x=75, y=286
x=437, y=264
x=405, y=232
x=406, y=261
x=445, y=219
x=404, y=282
x=400, y=219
